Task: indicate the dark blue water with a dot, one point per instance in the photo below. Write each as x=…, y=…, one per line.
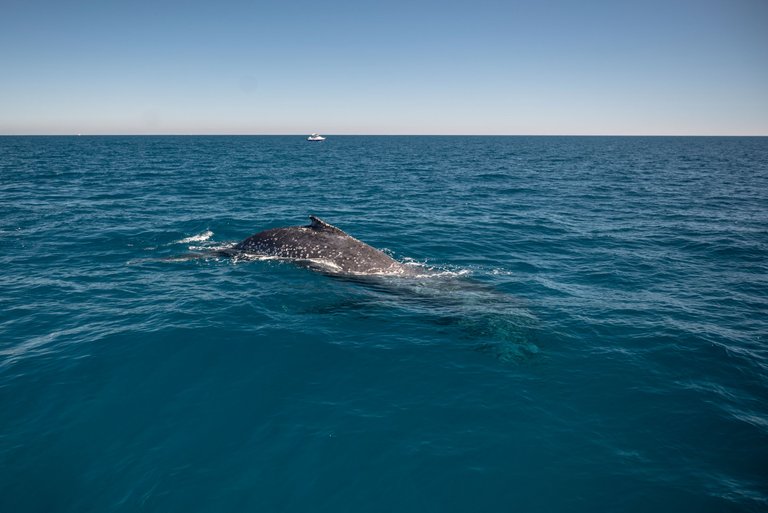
x=594, y=338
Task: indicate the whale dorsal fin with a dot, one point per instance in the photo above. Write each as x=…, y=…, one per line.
x=320, y=225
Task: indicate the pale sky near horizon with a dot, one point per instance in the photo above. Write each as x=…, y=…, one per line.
x=656, y=67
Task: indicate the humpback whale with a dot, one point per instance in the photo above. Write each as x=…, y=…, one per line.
x=494, y=320
x=321, y=246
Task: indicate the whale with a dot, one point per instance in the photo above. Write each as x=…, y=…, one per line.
x=321, y=246
x=491, y=320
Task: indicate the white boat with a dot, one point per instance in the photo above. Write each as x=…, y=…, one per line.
x=315, y=137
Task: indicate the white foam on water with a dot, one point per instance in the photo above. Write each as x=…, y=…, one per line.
x=216, y=246
x=428, y=271
x=449, y=274
x=253, y=257
x=196, y=238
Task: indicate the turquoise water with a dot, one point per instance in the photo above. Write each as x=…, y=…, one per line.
x=592, y=337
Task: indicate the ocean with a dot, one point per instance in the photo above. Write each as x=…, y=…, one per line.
x=590, y=336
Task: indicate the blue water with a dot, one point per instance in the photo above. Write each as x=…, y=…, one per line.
x=592, y=337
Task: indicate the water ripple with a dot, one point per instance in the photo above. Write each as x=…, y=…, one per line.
x=594, y=338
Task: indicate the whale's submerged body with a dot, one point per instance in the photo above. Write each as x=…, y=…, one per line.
x=322, y=246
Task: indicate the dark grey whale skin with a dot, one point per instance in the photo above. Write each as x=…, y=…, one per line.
x=324, y=243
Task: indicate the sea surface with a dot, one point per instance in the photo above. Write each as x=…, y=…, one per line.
x=591, y=334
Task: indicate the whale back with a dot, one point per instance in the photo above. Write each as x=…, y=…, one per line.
x=322, y=244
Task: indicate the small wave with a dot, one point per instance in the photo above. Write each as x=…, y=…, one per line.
x=427, y=271
x=251, y=257
x=196, y=238
x=213, y=247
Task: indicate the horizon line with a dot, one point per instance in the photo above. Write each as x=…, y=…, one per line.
x=363, y=135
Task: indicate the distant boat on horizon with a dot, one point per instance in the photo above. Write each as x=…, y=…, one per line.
x=315, y=137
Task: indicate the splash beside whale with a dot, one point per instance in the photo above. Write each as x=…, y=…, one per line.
x=323, y=247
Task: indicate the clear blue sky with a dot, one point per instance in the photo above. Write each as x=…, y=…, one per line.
x=386, y=67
